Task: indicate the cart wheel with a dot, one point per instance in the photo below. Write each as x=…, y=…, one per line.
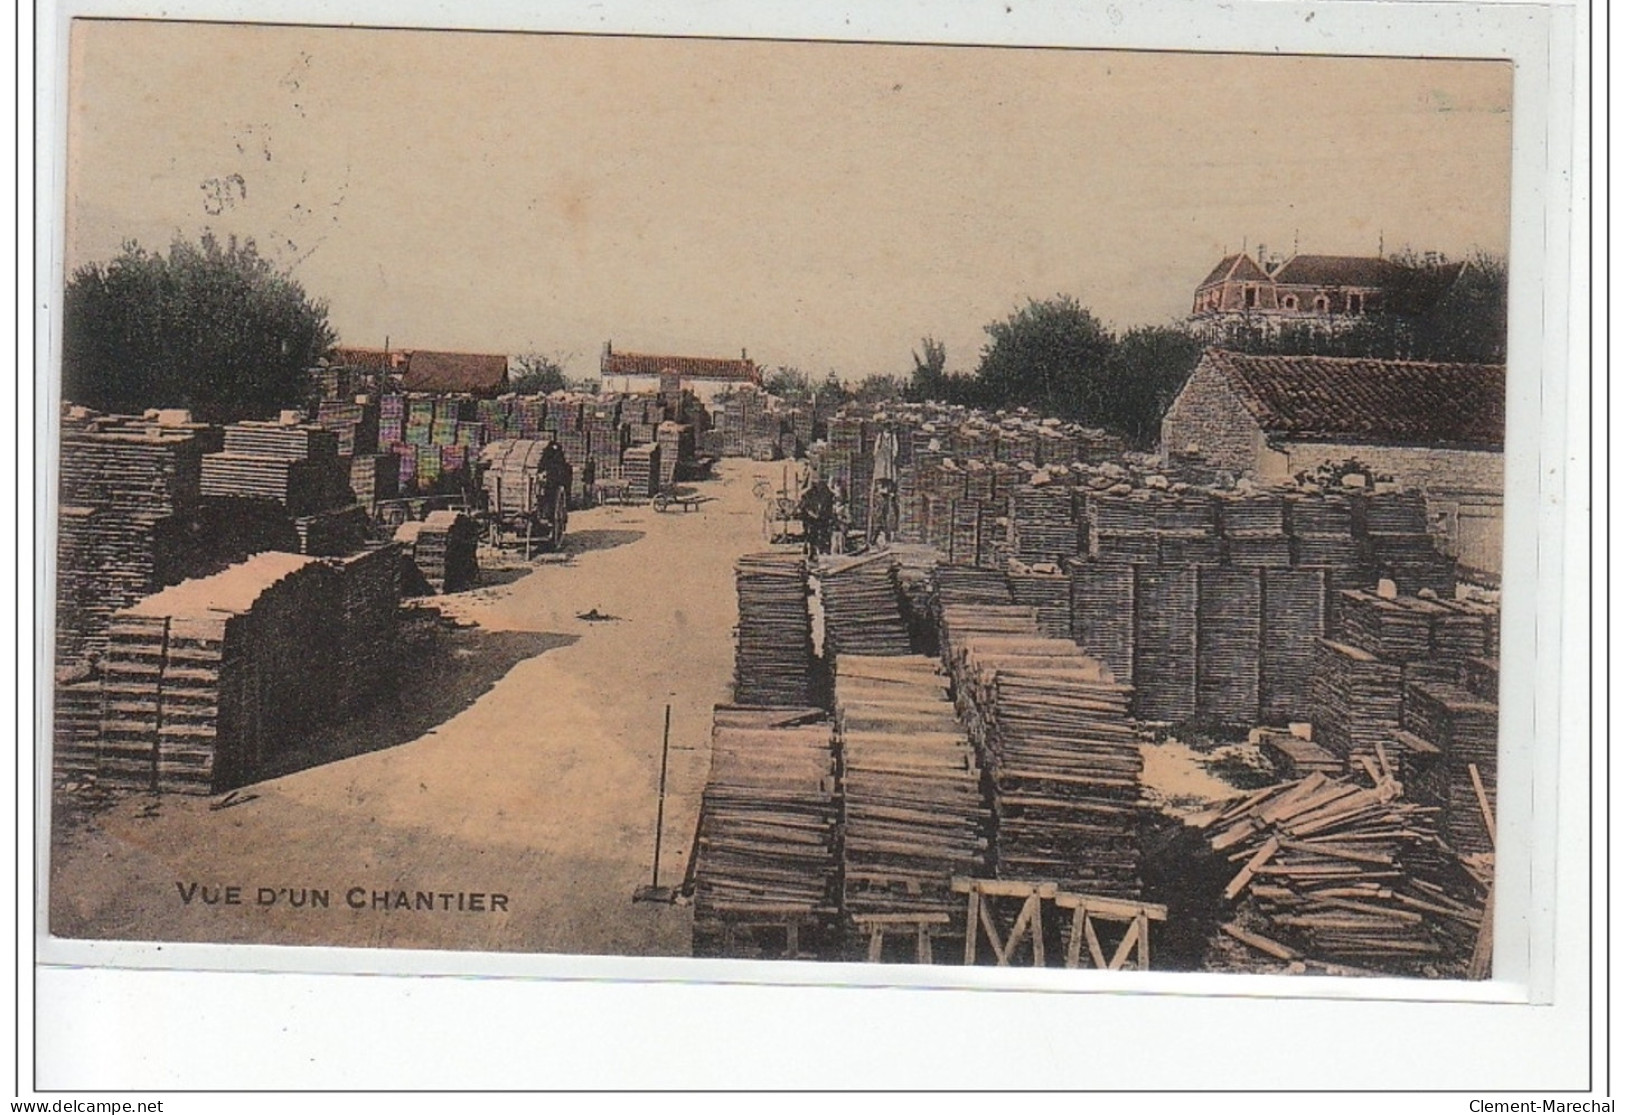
x=662, y=501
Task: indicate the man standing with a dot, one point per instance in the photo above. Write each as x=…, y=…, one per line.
x=883, y=495
x=817, y=511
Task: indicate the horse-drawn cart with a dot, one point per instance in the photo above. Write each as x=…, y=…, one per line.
x=526, y=489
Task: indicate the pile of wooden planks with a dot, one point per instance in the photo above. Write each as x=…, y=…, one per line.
x=208, y=680
x=1048, y=592
x=862, y=606
x=1293, y=619
x=1465, y=729
x=640, y=465
x=296, y=465
x=444, y=547
x=1165, y=643
x=1337, y=871
x=913, y=815
x=1063, y=758
x=1043, y=523
x=342, y=530
x=765, y=851
x=1229, y=610
x=773, y=656
x=1354, y=700
x=369, y=595
x=122, y=482
x=958, y=584
x=1103, y=610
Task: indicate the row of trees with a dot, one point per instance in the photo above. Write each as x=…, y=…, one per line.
x=216, y=328
x=1056, y=357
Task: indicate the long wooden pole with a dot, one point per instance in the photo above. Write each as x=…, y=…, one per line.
x=660, y=809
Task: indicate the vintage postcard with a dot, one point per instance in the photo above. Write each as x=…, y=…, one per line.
x=899, y=504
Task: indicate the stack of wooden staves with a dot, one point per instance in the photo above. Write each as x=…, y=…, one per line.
x=1048, y=592
x=206, y=681
x=913, y=816
x=444, y=547
x=1064, y=762
x=640, y=465
x=297, y=466
x=1103, y=610
x=369, y=592
x=765, y=855
x=1165, y=642
x=1464, y=727
x=1228, y=649
x=1043, y=526
x=1331, y=870
x=1354, y=700
x=773, y=659
x=862, y=608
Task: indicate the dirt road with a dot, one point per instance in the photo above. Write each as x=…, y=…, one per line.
x=519, y=761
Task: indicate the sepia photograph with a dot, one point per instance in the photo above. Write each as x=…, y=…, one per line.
x=915, y=505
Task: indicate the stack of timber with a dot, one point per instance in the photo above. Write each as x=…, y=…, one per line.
x=123, y=482
x=443, y=546
x=1048, y=592
x=374, y=477
x=208, y=681
x=76, y=727
x=1103, y=611
x=1393, y=630
x=958, y=584
x=1165, y=642
x=1254, y=530
x=1464, y=728
x=369, y=594
x=1228, y=648
x=1063, y=758
x=298, y=466
x=1354, y=700
x=1292, y=756
x=640, y=465
x=862, y=608
x=773, y=659
x=1293, y=607
x=913, y=815
x=1043, y=527
x=342, y=530
x=765, y=853
x=1331, y=870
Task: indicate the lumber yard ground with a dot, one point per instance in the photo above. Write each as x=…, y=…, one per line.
x=504, y=797
x=515, y=770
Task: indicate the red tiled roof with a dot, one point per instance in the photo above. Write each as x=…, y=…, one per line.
x=1238, y=267
x=1356, y=271
x=378, y=359
x=688, y=367
x=1372, y=402
x=455, y=372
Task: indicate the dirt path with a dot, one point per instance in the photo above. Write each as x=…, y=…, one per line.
x=540, y=787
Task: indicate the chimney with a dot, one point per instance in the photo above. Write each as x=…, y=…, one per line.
x=743, y=355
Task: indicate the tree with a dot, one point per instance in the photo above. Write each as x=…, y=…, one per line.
x=211, y=327
x=1050, y=355
x=789, y=384
x=878, y=388
x=930, y=371
x=537, y=375
x=1146, y=369
x=831, y=393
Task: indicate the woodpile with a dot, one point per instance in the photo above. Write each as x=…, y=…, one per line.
x=773, y=657
x=1294, y=619
x=1103, y=611
x=1465, y=729
x=342, y=530
x=1228, y=648
x=443, y=547
x=369, y=595
x=209, y=680
x=298, y=466
x=861, y=605
x=912, y=814
x=76, y=728
x=765, y=851
x=1048, y=592
x=1165, y=643
x=1063, y=758
x=1294, y=757
x=640, y=466
x=1043, y=524
x=965, y=585
x=123, y=482
x=1334, y=871
x=1354, y=700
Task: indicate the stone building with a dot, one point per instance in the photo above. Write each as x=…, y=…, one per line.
x=1439, y=428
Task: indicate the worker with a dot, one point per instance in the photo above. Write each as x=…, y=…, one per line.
x=817, y=511
x=553, y=468
x=883, y=509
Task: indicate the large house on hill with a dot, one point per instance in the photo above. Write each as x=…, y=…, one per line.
x=706, y=376
x=1437, y=427
x=1326, y=293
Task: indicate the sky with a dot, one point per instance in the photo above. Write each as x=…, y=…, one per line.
x=819, y=205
